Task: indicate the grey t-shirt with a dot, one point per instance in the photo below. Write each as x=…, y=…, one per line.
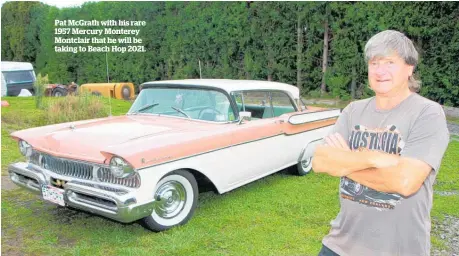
x=377, y=223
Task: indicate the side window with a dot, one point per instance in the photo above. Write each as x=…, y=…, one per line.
x=223, y=106
x=238, y=98
x=255, y=102
x=281, y=103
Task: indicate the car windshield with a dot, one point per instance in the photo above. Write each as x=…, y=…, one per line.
x=192, y=103
x=15, y=77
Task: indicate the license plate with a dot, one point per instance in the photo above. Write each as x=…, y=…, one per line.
x=53, y=194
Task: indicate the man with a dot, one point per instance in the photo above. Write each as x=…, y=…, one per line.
x=387, y=150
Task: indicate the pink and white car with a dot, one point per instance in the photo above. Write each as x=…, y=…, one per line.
x=177, y=138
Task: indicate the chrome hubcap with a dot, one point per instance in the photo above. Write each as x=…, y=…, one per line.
x=305, y=163
x=171, y=198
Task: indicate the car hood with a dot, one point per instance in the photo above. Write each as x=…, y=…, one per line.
x=88, y=140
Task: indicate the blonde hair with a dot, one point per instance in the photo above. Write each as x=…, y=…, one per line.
x=386, y=42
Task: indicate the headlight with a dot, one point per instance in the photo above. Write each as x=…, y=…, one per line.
x=120, y=168
x=25, y=148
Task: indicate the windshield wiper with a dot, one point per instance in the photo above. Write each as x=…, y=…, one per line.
x=181, y=112
x=148, y=106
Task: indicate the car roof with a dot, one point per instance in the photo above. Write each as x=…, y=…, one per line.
x=230, y=85
x=13, y=66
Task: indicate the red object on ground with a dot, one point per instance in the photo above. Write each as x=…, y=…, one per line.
x=5, y=103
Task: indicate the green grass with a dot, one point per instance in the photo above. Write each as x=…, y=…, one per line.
x=454, y=120
x=270, y=217
x=281, y=214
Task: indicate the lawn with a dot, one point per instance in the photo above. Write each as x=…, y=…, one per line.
x=281, y=214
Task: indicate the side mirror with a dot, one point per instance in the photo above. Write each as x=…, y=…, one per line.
x=244, y=115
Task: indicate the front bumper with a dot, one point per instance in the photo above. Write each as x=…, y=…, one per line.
x=107, y=200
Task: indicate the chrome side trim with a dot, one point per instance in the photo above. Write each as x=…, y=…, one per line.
x=314, y=116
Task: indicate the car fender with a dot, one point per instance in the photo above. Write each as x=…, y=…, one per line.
x=309, y=149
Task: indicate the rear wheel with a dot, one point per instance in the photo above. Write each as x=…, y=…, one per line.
x=176, y=196
x=59, y=92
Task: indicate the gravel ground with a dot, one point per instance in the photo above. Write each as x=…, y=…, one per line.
x=448, y=228
x=448, y=231
x=453, y=128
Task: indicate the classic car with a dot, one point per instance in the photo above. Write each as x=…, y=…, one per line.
x=178, y=138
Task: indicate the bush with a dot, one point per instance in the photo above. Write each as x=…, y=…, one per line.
x=314, y=94
x=39, y=88
x=345, y=97
x=73, y=108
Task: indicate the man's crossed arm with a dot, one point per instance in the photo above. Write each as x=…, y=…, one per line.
x=378, y=170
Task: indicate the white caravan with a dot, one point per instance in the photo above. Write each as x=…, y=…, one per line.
x=16, y=76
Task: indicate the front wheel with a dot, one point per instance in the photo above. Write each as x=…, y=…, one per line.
x=304, y=166
x=176, y=196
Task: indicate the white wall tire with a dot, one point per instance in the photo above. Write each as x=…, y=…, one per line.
x=177, y=197
x=304, y=167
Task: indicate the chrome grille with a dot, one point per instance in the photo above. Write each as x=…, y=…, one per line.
x=80, y=170
x=67, y=167
x=105, y=175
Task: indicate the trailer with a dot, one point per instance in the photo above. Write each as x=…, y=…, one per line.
x=17, y=76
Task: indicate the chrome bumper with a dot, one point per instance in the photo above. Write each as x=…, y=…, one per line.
x=102, y=199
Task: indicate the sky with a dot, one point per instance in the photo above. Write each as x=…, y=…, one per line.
x=59, y=3
x=65, y=3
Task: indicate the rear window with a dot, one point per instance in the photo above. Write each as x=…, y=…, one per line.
x=14, y=77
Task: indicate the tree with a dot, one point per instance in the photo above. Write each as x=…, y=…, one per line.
x=316, y=45
x=323, y=87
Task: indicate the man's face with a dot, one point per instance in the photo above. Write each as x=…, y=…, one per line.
x=388, y=74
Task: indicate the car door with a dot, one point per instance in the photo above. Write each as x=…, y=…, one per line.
x=258, y=145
